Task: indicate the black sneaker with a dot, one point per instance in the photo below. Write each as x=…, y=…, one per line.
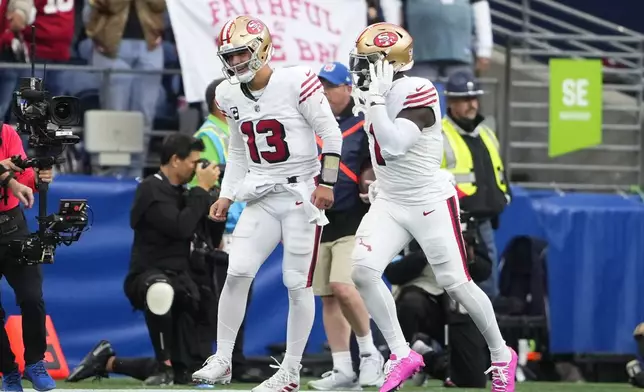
x=164, y=377
x=93, y=365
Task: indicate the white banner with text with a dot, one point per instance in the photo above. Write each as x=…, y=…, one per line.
x=305, y=32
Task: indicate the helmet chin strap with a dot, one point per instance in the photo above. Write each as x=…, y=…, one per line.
x=246, y=77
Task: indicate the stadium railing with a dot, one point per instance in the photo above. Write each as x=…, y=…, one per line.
x=531, y=34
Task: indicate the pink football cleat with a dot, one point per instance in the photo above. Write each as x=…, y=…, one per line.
x=399, y=370
x=504, y=373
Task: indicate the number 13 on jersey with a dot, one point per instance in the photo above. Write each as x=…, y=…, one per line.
x=274, y=149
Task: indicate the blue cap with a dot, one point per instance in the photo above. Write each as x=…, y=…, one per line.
x=335, y=73
x=463, y=84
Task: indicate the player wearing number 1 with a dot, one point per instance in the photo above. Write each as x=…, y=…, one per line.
x=411, y=198
x=274, y=116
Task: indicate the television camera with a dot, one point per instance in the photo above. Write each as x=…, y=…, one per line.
x=46, y=121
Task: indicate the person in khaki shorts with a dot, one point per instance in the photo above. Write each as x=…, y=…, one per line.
x=343, y=309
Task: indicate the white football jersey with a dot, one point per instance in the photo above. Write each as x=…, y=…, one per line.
x=414, y=178
x=278, y=124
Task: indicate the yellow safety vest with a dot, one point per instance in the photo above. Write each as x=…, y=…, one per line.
x=457, y=157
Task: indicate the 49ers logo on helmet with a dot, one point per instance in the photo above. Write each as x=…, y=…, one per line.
x=385, y=39
x=254, y=27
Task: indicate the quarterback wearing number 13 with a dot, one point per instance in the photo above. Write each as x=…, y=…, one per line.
x=274, y=116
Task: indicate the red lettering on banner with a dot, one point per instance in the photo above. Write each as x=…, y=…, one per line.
x=295, y=8
x=279, y=54
x=214, y=10
x=313, y=13
x=277, y=5
x=222, y=10
x=326, y=56
x=306, y=54
x=329, y=26
x=260, y=11
x=245, y=7
x=316, y=51
x=229, y=9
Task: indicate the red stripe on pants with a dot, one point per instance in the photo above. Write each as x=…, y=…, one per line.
x=314, y=257
x=458, y=234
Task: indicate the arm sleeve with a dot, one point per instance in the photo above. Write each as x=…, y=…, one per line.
x=14, y=147
x=482, y=28
x=316, y=110
x=236, y=165
x=175, y=223
x=394, y=137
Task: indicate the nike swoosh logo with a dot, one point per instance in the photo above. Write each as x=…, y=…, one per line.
x=308, y=72
x=419, y=88
x=425, y=213
x=297, y=203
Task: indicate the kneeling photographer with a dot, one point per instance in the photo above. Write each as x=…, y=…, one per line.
x=164, y=218
x=25, y=280
x=428, y=315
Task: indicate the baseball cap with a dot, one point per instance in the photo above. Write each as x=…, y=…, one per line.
x=335, y=73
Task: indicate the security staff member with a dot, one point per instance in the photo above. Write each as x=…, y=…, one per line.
x=471, y=154
x=343, y=308
x=424, y=309
x=214, y=131
x=25, y=280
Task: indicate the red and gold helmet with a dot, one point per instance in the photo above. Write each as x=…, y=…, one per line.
x=377, y=42
x=244, y=34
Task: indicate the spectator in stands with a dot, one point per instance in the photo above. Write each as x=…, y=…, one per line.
x=127, y=34
x=54, y=35
x=424, y=309
x=374, y=12
x=442, y=31
x=343, y=308
x=471, y=154
x=14, y=16
x=25, y=280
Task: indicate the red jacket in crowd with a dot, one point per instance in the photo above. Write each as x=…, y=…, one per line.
x=12, y=145
x=54, y=29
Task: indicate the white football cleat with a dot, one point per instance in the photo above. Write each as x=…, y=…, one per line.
x=216, y=370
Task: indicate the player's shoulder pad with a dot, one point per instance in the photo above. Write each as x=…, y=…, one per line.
x=306, y=82
x=417, y=92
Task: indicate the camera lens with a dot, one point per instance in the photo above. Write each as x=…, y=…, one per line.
x=62, y=110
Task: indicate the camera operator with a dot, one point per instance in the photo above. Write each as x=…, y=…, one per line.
x=26, y=280
x=425, y=309
x=164, y=218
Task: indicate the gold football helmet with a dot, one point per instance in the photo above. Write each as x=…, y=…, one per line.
x=377, y=42
x=248, y=38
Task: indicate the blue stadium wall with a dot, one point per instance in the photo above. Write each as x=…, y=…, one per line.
x=596, y=263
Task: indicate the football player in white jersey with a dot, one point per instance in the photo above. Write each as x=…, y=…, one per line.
x=411, y=198
x=274, y=116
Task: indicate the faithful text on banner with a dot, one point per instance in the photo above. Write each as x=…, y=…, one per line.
x=305, y=32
